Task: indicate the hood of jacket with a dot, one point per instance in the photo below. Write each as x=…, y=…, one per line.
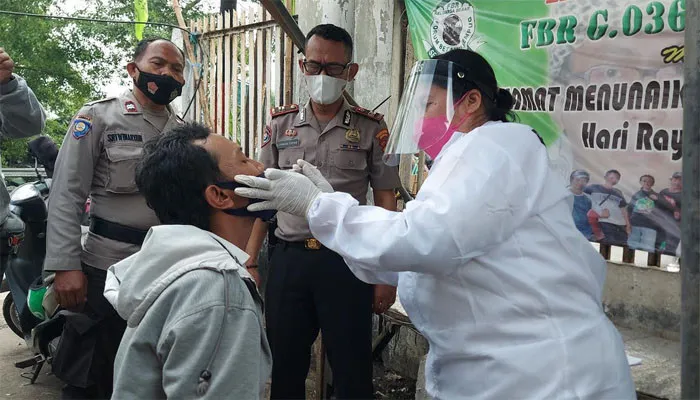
x=168, y=252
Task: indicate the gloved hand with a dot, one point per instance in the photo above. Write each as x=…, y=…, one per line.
x=311, y=172
x=284, y=191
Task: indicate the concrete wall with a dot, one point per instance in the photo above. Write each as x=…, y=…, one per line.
x=647, y=299
x=370, y=22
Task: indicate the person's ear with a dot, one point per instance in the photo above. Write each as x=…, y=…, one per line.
x=472, y=101
x=217, y=198
x=301, y=65
x=352, y=71
x=469, y=104
x=223, y=199
x=131, y=69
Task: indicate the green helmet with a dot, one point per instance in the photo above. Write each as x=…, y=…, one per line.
x=36, y=294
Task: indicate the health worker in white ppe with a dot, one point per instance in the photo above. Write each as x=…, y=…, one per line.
x=490, y=266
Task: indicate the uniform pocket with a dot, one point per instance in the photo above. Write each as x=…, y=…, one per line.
x=122, y=168
x=289, y=157
x=355, y=160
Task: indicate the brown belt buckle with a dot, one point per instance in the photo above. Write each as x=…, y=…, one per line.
x=312, y=244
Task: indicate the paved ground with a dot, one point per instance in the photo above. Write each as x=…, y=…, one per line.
x=659, y=373
x=12, y=385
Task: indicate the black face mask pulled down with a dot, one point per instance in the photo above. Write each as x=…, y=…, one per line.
x=265, y=215
x=160, y=89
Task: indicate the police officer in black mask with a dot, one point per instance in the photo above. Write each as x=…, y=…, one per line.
x=98, y=160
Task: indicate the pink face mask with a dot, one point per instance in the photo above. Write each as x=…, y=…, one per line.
x=434, y=133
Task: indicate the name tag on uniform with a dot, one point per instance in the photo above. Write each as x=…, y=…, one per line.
x=283, y=144
x=350, y=147
x=124, y=137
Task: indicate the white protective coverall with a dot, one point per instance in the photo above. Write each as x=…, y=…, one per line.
x=492, y=271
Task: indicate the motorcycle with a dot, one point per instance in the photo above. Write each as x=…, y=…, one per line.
x=23, y=248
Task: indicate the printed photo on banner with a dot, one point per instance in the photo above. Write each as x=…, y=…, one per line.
x=602, y=82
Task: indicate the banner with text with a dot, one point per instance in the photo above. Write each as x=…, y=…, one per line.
x=602, y=82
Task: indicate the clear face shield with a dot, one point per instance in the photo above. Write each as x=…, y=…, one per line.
x=426, y=117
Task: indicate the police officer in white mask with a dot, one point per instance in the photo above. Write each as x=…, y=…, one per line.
x=309, y=287
x=490, y=266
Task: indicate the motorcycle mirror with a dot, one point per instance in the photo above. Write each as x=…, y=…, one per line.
x=36, y=169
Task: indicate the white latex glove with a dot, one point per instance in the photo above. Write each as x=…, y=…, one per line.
x=311, y=172
x=284, y=191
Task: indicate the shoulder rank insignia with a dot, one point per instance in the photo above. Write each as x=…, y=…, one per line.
x=81, y=126
x=369, y=114
x=130, y=107
x=277, y=111
x=383, y=138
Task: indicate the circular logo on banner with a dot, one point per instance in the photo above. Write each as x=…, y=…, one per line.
x=453, y=27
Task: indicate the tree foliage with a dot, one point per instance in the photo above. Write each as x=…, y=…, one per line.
x=66, y=63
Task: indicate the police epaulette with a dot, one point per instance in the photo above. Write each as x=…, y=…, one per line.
x=369, y=114
x=100, y=100
x=277, y=111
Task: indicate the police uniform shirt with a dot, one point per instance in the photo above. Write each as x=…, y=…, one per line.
x=348, y=151
x=98, y=159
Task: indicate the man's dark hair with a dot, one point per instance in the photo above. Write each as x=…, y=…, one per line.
x=143, y=45
x=653, y=180
x=334, y=33
x=173, y=174
x=614, y=171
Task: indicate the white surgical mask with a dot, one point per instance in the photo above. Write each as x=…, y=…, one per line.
x=324, y=89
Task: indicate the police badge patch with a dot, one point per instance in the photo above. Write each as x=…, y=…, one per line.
x=81, y=126
x=267, y=137
x=352, y=136
x=453, y=27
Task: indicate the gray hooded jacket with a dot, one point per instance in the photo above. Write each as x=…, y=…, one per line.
x=194, y=319
x=21, y=116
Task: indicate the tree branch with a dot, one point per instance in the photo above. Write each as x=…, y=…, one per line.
x=186, y=9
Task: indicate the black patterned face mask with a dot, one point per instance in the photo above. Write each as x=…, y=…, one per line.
x=160, y=89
